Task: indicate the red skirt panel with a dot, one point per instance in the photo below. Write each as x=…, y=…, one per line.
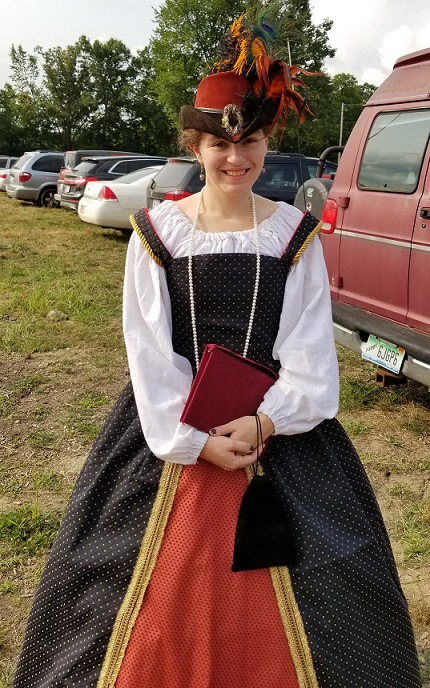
x=200, y=625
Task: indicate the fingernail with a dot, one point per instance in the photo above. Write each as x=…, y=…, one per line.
x=212, y=431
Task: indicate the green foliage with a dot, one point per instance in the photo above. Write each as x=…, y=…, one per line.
x=413, y=529
x=27, y=530
x=85, y=95
x=184, y=45
x=98, y=95
x=354, y=394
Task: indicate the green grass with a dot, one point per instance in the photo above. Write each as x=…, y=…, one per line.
x=51, y=268
x=27, y=531
x=355, y=428
x=413, y=529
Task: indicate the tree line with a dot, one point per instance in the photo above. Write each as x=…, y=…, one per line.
x=100, y=95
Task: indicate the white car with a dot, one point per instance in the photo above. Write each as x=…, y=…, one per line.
x=110, y=203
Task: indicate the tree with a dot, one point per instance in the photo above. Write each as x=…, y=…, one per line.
x=147, y=124
x=29, y=105
x=186, y=39
x=67, y=83
x=184, y=44
x=10, y=139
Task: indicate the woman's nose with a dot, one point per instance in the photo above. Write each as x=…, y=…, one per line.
x=235, y=154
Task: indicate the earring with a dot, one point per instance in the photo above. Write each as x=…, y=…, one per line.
x=263, y=169
x=202, y=172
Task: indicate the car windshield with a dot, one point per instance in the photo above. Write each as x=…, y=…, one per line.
x=138, y=174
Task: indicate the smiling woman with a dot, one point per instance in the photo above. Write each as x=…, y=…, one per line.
x=161, y=573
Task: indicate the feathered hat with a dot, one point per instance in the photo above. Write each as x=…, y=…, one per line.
x=249, y=88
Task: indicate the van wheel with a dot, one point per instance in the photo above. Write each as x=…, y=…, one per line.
x=45, y=197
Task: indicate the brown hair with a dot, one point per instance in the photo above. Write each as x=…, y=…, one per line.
x=188, y=138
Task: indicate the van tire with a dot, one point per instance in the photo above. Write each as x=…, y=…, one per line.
x=312, y=195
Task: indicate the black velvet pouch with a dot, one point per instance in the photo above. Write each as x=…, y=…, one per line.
x=264, y=536
x=263, y=533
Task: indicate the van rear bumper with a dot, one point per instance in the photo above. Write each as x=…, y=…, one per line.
x=352, y=326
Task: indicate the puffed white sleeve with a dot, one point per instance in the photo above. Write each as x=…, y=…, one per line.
x=161, y=378
x=307, y=391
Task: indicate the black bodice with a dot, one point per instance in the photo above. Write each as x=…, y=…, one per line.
x=223, y=291
x=224, y=287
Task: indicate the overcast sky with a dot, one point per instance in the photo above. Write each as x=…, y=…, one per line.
x=368, y=35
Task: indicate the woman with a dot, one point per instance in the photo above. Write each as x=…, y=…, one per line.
x=138, y=590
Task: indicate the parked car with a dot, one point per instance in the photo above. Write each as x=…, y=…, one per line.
x=34, y=176
x=328, y=169
x=5, y=164
x=96, y=168
x=110, y=204
x=180, y=177
x=74, y=157
x=376, y=227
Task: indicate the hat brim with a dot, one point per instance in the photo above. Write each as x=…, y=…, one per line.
x=210, y=122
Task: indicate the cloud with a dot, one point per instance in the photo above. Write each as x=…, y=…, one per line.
x=373, y=76
x=397, y=43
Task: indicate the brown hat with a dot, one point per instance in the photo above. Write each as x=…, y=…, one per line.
x=248, y=90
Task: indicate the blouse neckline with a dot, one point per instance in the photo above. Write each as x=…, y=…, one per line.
x=241, y=232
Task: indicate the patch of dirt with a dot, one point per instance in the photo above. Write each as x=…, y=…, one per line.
x=51, y=404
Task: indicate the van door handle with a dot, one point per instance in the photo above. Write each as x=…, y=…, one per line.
x=425, y=213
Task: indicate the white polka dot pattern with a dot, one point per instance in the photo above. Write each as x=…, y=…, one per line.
x=345, y=580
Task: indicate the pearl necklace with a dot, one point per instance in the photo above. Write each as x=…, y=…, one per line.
x=191, y=283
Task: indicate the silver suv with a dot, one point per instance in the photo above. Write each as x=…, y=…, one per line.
x=34, y=176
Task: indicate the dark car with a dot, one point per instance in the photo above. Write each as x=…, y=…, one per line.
x=72, y=158
x=97, y=168
x=179, y=178
x=328, y=169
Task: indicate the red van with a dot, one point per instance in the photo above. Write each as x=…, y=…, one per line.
x=376, y=231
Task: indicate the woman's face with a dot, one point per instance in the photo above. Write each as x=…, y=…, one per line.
x=232, y=167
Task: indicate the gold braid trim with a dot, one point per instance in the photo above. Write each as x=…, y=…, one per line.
x=143, y=569
x=306, y=243
x=144, y=240
x=292, y=621
x=294, y=628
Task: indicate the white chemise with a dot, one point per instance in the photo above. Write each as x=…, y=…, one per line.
x=307, y=390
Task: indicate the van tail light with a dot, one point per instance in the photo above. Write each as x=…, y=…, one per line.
x=62, y=173
x=3, y=175
x=329, y=216
x=176, y=195
x=106, y=194
x=24, y=177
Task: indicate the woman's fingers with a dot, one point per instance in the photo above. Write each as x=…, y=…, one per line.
x=229, y=454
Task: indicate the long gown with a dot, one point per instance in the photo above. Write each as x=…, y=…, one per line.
x=138, y=589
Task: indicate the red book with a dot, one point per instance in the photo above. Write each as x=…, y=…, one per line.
x=227, y=386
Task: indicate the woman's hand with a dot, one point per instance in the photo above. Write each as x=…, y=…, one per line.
x=245, y=429
x=234, y=445
x=229, y=454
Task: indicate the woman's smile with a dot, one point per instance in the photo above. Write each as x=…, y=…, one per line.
x=235, y=173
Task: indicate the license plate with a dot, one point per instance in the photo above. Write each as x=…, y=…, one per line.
x=66, y=188
x=155, y=201
x=384, y=354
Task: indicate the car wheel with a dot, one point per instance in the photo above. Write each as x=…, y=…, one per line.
x=46, y=196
